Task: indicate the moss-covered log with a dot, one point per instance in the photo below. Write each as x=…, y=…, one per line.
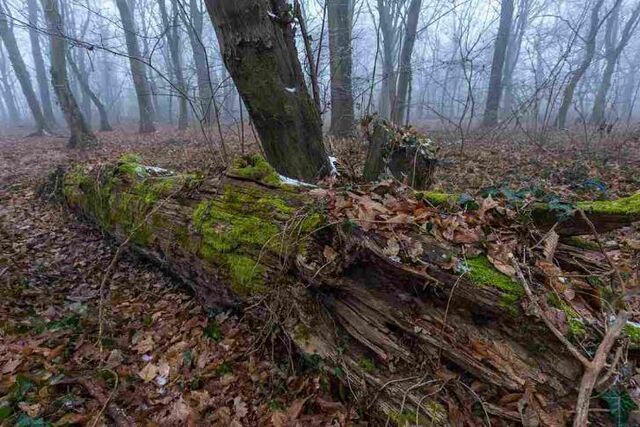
x=408, y=342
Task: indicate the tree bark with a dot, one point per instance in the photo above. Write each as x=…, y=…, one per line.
x=81, y=135
x=612, y=54
x=7, y=91
x=20, y=69
x=513, y=54
x=340, y=14
x=205, y=87
x=576, y=76
x=257, y=44
x=38, y=60
x=495, y=80
x=173, y=40
x=140, y=82
x=105, y=126
x=371, y=320
x=400, y=103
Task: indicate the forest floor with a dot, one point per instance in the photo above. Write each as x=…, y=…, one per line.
x=162, y=359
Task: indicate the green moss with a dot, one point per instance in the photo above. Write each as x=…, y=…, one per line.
x=301, y=333
x=577, y=329
x=624, y=206
x=437, y=198
x=366, y=364
x=255, y=168
x=581, y=243
x=247, y=276
x=482, y=272
x=632, y=331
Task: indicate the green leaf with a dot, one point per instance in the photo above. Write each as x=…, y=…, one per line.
x=213, y=330
x=5, y=412
x=620, y=406
x=467, y=201
x=26, y=421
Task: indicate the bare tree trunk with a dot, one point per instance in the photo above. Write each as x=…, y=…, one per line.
x=258, y=48
x=173, y=39
x=590, y=50
x=38, y=60
x=513, y=54
x=495, y=80
x=389, y=44
x=398, y=112
x=612, y=55
x=140, y=82
x=105, y=126
x=205, y=89
x=81, y=135
x=7, y=91
x=20, y=69
x=340, y=15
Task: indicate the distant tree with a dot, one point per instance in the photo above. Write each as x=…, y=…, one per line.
x=578, y=73
x=138, y=72
x=340, y=15
x=38, y=61
x=20, y=69
x=81, y=135
x=400, y=100
x=7, y=90
x=497, y=64
x=613, y=49
x=83, y=81
x=170, y=24
x=520, y=24
x=257, y=44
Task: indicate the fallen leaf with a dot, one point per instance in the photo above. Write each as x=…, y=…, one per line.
x=148, y=373
x=239, y=407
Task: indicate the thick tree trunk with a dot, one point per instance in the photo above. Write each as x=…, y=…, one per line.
x=389, y=45
x=105, y=126
x=576, y=76
x=173, y=40
x=404, y=339
x=38, y=60
x=81, y=135
x=400, y=103
x=140, y=82
x=257, y=45
x=340, y=13
x=495, y=80
x=20, y=69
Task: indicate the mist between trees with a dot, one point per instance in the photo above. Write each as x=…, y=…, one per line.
x=530, y=65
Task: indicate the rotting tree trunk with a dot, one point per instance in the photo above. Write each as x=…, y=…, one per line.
x=257, y=45
x=20, y=69
x=340, y=14
x=105, y=126
x=38, y=60
x=404, y=338
x=138, y=72
x=80, y=134
x=494, y=93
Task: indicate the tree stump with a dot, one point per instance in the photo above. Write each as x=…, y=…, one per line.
x=399, y=152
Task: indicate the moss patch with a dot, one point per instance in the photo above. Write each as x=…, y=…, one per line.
x=624, y=206
x=632, y=331
x=577, y=329
x=482, y=272
x=437, y=198
x=437, y=415
x=255, y=168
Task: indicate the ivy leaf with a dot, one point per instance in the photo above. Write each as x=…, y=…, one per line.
x=620, y=406
x=467, y=201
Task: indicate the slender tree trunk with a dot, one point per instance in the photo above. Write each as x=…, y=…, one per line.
x=404, y=69
x=7, y=92
x=20, y=69
x=81, y=135
x=613, y=52
x=590, y=50
x=389, y=42
x=38, y=60
x=495, y=80
x=173, y=39
x=513, y=54
x=140, y=82
x=257, y=45
x=105, y=126
x=340, y=14
x=205, y=89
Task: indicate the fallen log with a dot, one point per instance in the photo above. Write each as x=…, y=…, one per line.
x=415, y=343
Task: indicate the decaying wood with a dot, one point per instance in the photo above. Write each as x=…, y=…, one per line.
x=398, y=152
x=408, y=342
